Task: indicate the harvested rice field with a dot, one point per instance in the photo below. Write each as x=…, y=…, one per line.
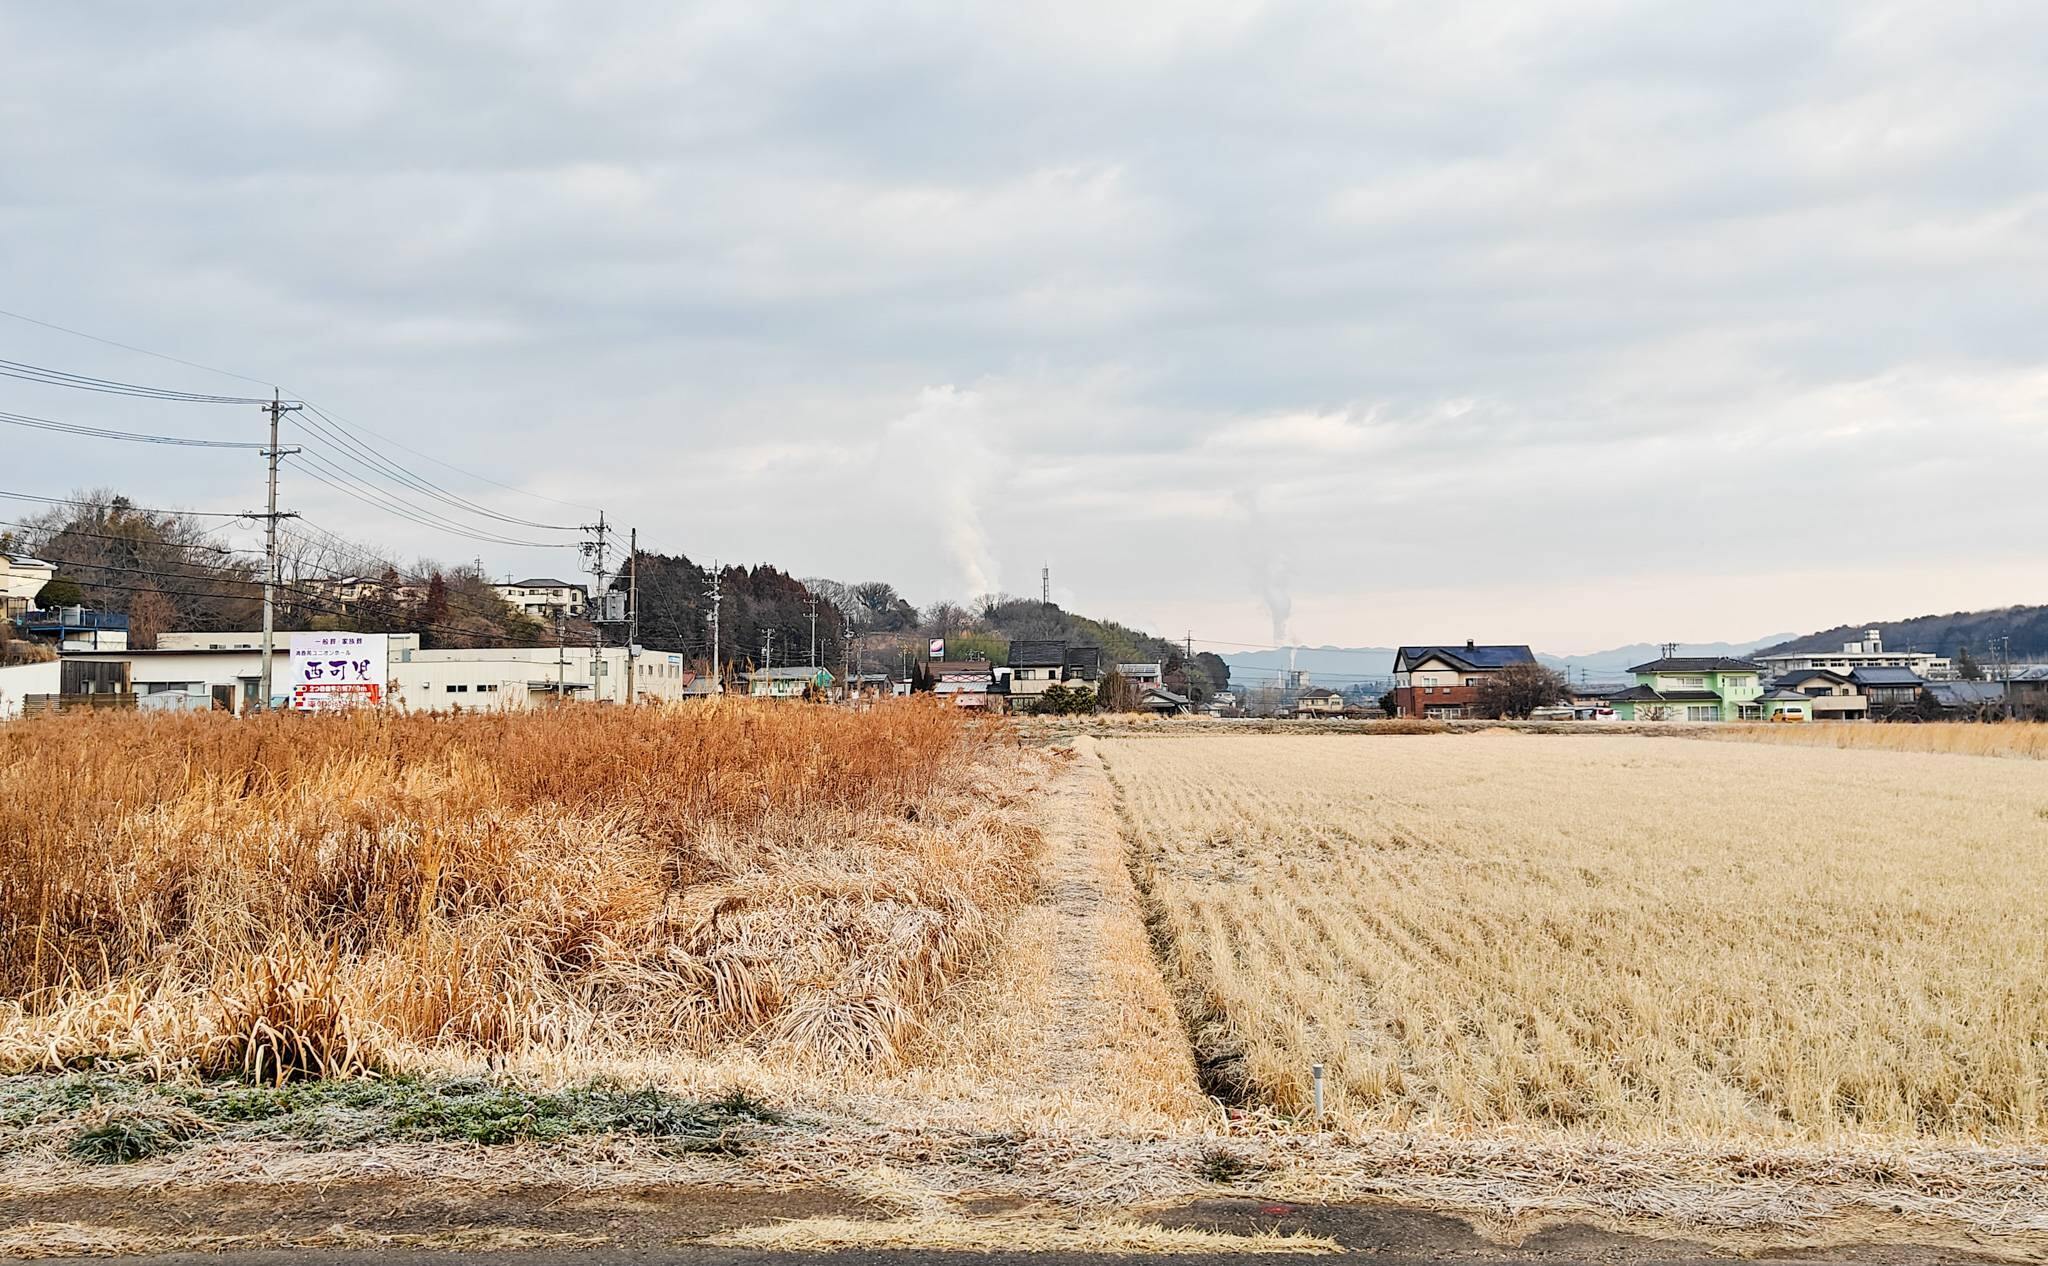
x=1627, y=937
x=755, y=977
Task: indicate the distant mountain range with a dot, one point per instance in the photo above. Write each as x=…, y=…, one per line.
x=1340, y=666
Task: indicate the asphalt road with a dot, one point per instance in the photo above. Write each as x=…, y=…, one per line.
x=1392, y=1235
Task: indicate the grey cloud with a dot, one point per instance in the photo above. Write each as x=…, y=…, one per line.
x=1458, y=275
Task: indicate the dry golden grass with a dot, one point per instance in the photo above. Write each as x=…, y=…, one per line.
x=2024, y=739
x=1649, y=938
x=290, y=895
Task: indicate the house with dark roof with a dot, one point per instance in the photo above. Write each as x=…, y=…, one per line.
x=1318, y=701
x=1968, y=700
x=1160, y=701
x=1036, y=665
x=1834, y=696
x=1890, y=689
x=1693, y=688
x=1442, y=682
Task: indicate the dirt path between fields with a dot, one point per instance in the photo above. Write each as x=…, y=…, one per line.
x=1112, y=1034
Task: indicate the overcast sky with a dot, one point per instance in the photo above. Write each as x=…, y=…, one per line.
x=1567, y=323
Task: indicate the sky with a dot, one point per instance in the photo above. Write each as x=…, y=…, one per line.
x=1576, y=323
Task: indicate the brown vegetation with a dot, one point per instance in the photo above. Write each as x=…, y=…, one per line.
x=285, y=895
x=2023, y=739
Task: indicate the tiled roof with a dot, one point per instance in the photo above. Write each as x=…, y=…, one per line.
x=1698, y=664
x=1885, y=676
x=1643, y=694
x=1469, y=656
x=1038, y=654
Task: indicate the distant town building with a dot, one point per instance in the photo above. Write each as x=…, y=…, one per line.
x=1442, y=682
x=965, y=683
x=1143, y=675
x=787, y=683
x=1160, y=701
x=1870, y=652
x=1318, y=701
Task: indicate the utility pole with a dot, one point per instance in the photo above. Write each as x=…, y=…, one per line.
x=851, y=665
x=594, y=550
x=277, y=408
x=1045, y=584
x=561, y=653
x=717, y=594
x=767, y=649
x=632, y=613
x=814, y=630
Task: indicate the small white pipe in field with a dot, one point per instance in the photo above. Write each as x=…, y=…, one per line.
x=1316, y=1073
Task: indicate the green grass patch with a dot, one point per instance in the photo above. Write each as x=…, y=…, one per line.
x=127, y=1134
x=118, y=1119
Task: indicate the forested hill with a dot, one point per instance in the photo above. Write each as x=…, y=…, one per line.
x=1946, y=635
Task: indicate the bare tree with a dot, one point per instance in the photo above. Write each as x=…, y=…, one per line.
x=1518, y=690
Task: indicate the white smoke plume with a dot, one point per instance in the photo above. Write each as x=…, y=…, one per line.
x=1269, y=566
x=936, y=451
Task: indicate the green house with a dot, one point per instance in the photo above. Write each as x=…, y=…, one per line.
x=1786, y=704
x=1693, y=688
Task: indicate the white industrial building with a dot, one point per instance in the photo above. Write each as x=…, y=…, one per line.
x=224, y=670
x=1870, y=652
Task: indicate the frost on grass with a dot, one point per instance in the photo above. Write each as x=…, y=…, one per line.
x=107, y=1118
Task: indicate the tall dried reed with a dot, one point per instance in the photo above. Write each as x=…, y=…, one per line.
x=296, y=895
x=2023, y=739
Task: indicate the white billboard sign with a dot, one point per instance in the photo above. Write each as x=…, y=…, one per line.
x=338, y=670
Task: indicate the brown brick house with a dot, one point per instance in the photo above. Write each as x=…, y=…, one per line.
x=1442, y=682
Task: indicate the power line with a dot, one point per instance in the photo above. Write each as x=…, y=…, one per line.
x=108, y=433
x=392, y=505
x=107, y=505
x=332, y=417
x=129, y=347
x=112, y=386
x=221, y=550
x=573, y=505
x=370, y=459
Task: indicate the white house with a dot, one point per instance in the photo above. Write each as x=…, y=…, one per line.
x=21, y=579
x=544, y=598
